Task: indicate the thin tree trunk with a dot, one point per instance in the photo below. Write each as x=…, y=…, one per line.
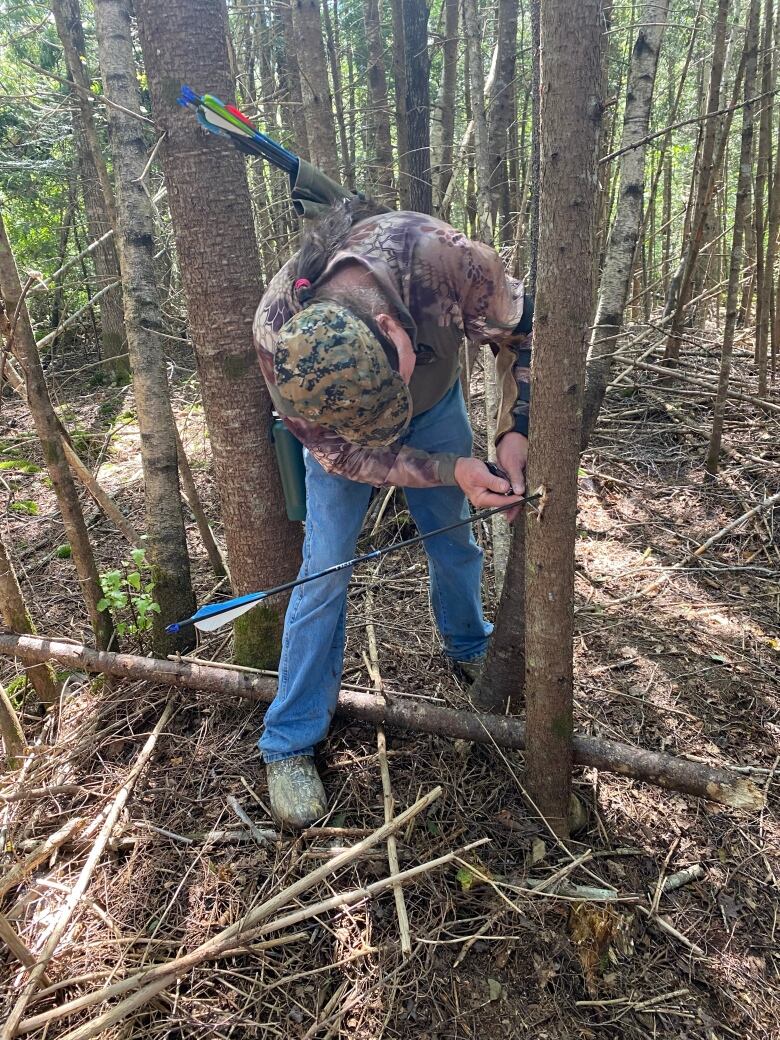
x=484, y=209
x=12, y=733
x=711, y=156
x=571, y=107
x=338, y=98
x=418, y=112
x=220, y=268
x=533, y=223
x=315, y=89
x=166, y=537
x=289, y=75
x=619, y=262
x=443, y=118
x=16, y=617
x=401, y=119
x=20, y=340
x=381, y=155
x=98, y=194
x=760, y=211
x=737, y=251
x=502, y=109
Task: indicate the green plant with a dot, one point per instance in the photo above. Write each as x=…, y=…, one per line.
x=129, y=593
x=25, y=505
x=19, y=464
x=64, y=552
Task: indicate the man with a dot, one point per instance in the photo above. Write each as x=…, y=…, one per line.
x=358, y=337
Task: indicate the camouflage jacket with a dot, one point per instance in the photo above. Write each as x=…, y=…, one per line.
x=443, y=287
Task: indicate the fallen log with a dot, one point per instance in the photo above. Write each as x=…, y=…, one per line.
x=652, y=767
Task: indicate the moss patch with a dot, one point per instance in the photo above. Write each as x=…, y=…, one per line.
x=257, y=638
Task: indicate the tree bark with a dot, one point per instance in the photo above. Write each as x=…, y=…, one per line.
x=570, y=118
x=379, y=117
x=418, y=102
x=96, y=188
x=653, y=767
x=16, y=617
x=315, y=89
x=20, y=340
x=619, y=261
x=220, y=266
x=166, y=538
x=737, y=244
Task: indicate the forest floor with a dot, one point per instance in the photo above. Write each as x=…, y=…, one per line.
x=692, y=668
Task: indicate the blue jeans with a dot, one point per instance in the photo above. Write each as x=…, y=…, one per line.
x=314, y=629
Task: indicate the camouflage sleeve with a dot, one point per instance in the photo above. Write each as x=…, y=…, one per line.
x=493, y=308
x=383, y=467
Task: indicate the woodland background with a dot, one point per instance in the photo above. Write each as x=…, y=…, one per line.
x=136, y=473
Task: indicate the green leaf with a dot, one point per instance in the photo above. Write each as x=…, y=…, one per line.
x=103, y=604
x=26, y=506
x=138, y=557
x=464, y=878
x=134, y=580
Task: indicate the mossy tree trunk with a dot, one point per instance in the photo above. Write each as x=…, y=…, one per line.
x=166, y=544
x=18, y=333
x=220, y=266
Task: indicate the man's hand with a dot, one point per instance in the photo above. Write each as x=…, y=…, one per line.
x=480, y=486
x=512, y=455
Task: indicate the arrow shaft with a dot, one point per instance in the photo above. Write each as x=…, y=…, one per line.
x=375, y=554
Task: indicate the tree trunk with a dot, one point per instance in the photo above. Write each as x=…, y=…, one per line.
x=348, y=176
x=711, y=156
x=166, y=538
x=381, y=154
x=653, y=767
x=570, y=117
x=11, y=732
x=618, y=265
x=315, y=89
x=443, y=121
x=737, y=251
x=502, y=110
x=484, y=214
x=220, y=266
x=533, y=223
x=98, y=193
x=401, y=120
x=760, y=208
x=418, y=113
x=16, y=617
x=21, y=342
x=289, y=75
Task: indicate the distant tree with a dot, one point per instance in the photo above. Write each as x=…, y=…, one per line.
x=418, y=102
x=96, y=188
x=315, y=88
x=166, y=544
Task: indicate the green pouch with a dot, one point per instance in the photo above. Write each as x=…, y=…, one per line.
x=292, y=470
x=313, y=193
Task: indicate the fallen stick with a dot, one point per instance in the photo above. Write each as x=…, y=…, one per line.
x=19, y=871
x=236, y=935
x=654, y=767
x=84, y=878
x=683, y=377
x=17, y=947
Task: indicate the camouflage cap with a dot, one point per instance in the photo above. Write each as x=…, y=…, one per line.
x=332, y=370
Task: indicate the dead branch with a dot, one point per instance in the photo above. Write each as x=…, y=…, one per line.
x=654, y=767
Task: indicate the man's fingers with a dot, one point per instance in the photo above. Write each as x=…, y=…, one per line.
x=497, y=484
